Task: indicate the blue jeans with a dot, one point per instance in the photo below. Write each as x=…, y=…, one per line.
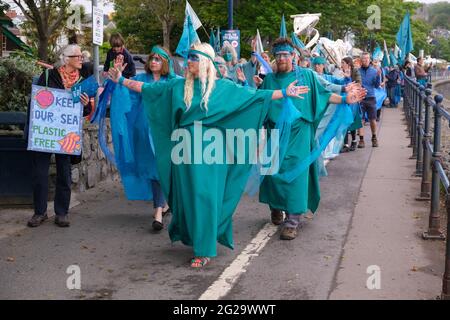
x=158, y=196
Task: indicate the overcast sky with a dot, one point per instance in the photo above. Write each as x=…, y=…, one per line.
x=86, y=3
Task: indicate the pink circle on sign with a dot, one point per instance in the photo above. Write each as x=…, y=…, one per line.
x=235, y=44
x=44, y=98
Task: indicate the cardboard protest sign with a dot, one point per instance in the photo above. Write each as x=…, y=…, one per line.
x=56, y=122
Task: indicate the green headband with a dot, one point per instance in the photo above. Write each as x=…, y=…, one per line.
x=207, y=56
x=159, y=51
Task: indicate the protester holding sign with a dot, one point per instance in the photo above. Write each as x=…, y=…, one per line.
x=64, y=77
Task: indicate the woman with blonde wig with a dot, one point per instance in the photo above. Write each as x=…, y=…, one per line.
x=202, y=193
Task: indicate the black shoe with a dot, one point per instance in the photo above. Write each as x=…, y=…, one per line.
x=36, y=220
x=62, y=221
x=353, y=146
x=374, y=142
x=361, y=144
x=166, y=212
x=345, y=148
x=157, y=226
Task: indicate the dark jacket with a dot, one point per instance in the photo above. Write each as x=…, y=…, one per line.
x=130, y=70
x=393, y=76
x=55, y=81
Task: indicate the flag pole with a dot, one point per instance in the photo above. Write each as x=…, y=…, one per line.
x=206, y=32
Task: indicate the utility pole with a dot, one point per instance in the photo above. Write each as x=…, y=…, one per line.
x=230, y=14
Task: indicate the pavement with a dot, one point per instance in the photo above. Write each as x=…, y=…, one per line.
x=367, y=218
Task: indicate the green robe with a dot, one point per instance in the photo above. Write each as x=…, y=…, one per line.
x=204, y=196
x=304, y=192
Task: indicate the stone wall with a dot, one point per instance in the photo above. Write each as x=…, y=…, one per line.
x=94, y=167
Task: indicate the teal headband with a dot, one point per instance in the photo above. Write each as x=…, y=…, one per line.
x=319, y=60
x=159, y=51
x=192, y=51
x=283, y=47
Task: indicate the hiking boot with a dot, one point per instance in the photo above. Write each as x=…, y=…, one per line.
x=36, y=220
x=353, y=146
x=62, y=221
x=361, y=144
x=288, y=233
x=374, y=142
x=276, y=216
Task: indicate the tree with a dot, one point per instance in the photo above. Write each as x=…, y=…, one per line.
x=160, y=15
x=437, y=9
x=3, y=7
x=338, y=18
x=45, y=18
x=442, y=49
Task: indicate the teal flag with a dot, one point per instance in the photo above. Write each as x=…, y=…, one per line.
x=385, y=62
x=283, y=31
x=212, y=39
x=377, y=53
x=404, y=37
x=296, y=41
x=217, y=43
x=393, y=59
x=188, y=38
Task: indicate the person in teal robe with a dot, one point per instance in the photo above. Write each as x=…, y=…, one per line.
x=133, y=144
x=301, y=192
x=202, y=188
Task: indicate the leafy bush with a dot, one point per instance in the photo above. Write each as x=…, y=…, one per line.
x=16, y=76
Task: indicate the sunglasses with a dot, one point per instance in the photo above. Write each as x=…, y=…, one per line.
x=280, y=56
x=156, y=60
x=193, y=58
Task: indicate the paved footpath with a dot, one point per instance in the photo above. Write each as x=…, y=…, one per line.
x=367, y=216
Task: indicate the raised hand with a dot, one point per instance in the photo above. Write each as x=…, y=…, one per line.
x=355, y=95
x=240, y=75
x=119, y=60
x=258, y=81
x=295, y=91
x=114, y=74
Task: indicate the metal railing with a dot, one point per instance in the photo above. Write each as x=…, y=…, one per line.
x=426, y=149
x=436, y=75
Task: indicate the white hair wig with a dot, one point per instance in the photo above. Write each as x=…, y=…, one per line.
x=207, y=76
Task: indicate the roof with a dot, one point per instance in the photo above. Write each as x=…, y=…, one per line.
x=5, y=20
x=8, y=34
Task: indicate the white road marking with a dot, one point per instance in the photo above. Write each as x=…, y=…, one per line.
x=231, y=274
x=223, y=285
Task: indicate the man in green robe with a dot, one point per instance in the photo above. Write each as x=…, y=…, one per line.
x=202, y=188
x=301, y=194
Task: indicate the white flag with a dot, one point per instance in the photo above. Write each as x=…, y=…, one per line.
x=196, y=23
x=259, y=45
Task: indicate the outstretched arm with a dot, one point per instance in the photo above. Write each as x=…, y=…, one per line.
x=355, y=93
x=115, y=74
x=291, y=91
